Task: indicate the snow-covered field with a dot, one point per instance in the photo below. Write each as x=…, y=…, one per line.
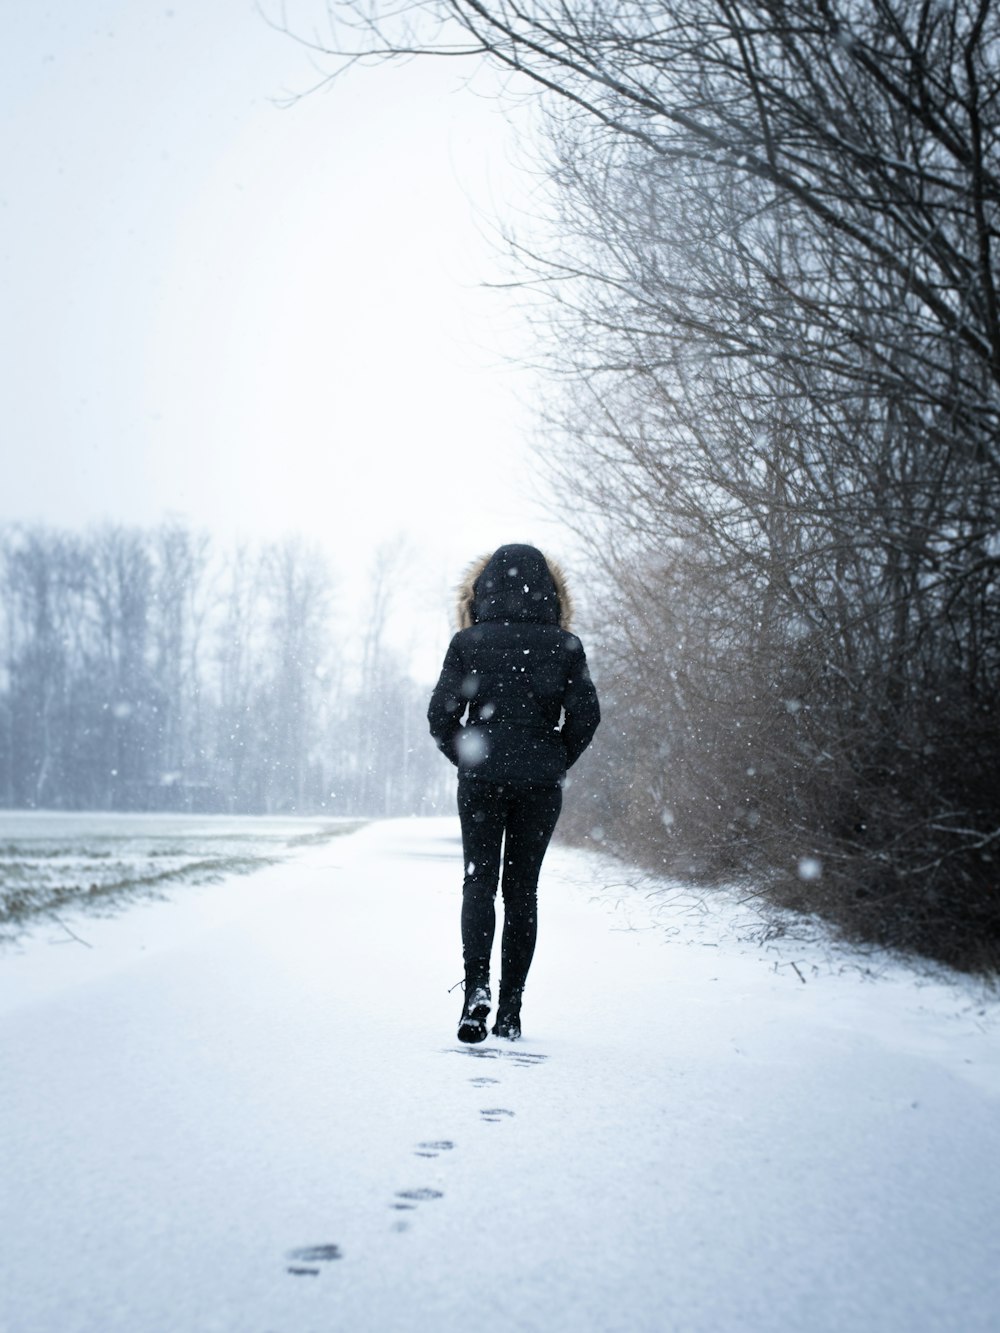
x=242, y=1108
x=51, y=859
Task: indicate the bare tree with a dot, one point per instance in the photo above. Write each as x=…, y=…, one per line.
x=42, y=576
x=296, y=583
x=181, y=605
x=770, y=279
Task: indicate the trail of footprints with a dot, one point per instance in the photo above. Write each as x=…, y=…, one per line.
x=304, y=1260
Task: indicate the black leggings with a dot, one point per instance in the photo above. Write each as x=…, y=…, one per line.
x=527, y=815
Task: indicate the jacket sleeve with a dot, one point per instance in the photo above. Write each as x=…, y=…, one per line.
x=582, y=711
x=444, y=713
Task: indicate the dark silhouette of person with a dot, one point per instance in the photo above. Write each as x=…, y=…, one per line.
x=513, y=709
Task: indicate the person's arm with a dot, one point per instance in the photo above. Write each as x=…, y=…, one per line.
x=582, y=711
x=444, y=713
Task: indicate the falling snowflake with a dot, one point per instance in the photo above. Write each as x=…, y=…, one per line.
x=473, y=746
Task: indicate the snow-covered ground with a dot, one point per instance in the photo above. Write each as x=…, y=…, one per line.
x=51, y=859
x=243, y=1109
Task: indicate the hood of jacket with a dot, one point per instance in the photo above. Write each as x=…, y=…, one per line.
x=515, y=583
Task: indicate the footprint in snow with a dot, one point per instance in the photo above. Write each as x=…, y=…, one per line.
x=483, y=1082
x=494, y=1113
x=432, y=1147
x=309, y=1255
x=406, y=1202
x=518, y=1057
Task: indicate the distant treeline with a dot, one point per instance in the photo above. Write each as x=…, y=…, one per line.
x=153, y=670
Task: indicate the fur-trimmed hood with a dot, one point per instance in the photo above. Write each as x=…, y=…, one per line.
x=516, y=583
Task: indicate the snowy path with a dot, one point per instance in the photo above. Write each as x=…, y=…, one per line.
x=685, y=1140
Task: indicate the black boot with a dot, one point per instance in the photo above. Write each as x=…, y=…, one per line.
x=472, y=1024
x=508, y=1020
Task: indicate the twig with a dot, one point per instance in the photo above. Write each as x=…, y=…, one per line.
x=799, y=974
x=70, y=933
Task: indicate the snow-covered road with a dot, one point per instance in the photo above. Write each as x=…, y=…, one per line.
x=244, y=1109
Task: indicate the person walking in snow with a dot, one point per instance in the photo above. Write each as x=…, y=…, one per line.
x=520, y=680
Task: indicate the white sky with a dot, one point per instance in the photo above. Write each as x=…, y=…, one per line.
x=261, y=320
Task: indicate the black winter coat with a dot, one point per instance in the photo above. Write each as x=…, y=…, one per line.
x=518, y=672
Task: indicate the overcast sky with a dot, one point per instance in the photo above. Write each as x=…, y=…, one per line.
x=261, y=320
